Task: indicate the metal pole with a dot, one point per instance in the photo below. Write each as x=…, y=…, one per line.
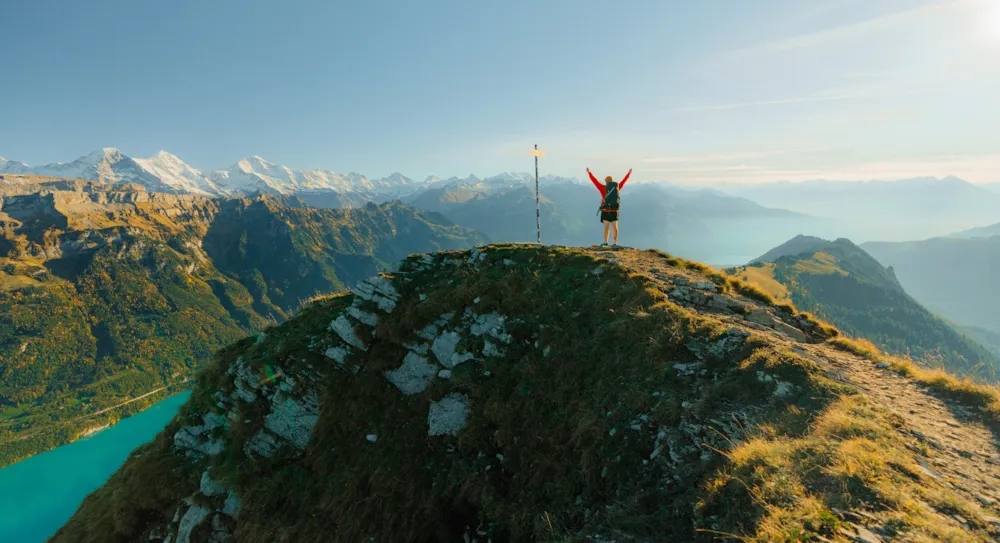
x=538, y=204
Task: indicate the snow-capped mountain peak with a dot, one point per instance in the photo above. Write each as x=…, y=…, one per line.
x=176, y=174
x=165, y=172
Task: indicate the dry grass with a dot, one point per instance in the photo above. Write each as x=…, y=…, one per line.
x=985, y=398
x=851, y=458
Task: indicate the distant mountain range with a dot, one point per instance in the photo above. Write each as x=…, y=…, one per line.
x=843, y=284
x=980, y=232
x=724, y=226
x=901, y=210
x=700, y=224
x=165, y=172
x=956, y=277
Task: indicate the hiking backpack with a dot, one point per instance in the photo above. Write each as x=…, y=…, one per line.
x=611, y=197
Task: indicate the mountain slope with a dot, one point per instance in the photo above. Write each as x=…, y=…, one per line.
x=980, y=232
x=538, y=394
x=953, y=277
x=106, y=295
x=841, y=283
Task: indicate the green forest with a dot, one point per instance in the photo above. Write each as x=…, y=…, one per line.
x=90, y=330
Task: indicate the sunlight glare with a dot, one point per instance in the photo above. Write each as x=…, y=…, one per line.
x=988, y=21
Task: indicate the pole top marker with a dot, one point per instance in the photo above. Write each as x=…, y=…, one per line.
x=536, y=152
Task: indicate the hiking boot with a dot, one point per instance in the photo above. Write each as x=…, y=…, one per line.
x=605, y=244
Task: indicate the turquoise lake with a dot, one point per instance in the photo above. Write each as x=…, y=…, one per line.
x=38, y=495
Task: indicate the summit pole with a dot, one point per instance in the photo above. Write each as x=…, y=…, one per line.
x=538, y=204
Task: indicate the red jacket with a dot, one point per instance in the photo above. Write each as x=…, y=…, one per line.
x=600, y=186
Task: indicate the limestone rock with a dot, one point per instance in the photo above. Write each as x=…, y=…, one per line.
x=293, y=419
x=414, y=375
x=190, y=437
x=343, y=328
x=209, y=487
x=191, y=519
x=790, y=331
x=232, y=505
x=368, y=319
x=448, y=416
x=262, y=444
x=444, y=348
x=338, y=354
x=486, y=323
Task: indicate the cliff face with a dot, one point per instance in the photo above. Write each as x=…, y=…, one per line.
x=516, y=393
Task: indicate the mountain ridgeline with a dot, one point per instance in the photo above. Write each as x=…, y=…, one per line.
x=953, y=276
x=523, y=393
x=107, y=294
x=841, y=283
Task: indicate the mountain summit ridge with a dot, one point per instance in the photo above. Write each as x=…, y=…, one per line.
x=524, y=393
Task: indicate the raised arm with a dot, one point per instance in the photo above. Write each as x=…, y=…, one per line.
x=598, y=184
x=622, y=184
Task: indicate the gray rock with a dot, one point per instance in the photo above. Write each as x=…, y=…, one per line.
x=444, y=348
x=491, y=350
x=428, y=332
x=486, y=323
x=190, y=437
x=414, y=375
x=444, y=374
x=191, y=519
x=705, y=285
x=419, y=348
x=865, y=535
x=244, y=380
x=760, y=316
x=338, y=353
x=293, y=419
x=343, y=328
x=448, y=416
x=368, y=319
x=261, y=444
x=232, y=505
x=790, y=331
x=372, y=438
x=686, y=369
x=210, y=487
x=445, y=319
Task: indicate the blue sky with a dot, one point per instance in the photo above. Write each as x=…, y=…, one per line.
x=714, y=91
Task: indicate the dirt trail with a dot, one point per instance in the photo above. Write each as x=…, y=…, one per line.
x=950, y=441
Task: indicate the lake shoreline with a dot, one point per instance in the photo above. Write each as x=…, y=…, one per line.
x=60, y=433
x=40, y=493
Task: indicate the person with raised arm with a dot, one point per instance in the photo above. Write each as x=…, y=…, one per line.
x=610, y=204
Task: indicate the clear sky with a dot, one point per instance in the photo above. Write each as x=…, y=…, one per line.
x=685, y=91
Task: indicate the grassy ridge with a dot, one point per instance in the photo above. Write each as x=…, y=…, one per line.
x=586, y=428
